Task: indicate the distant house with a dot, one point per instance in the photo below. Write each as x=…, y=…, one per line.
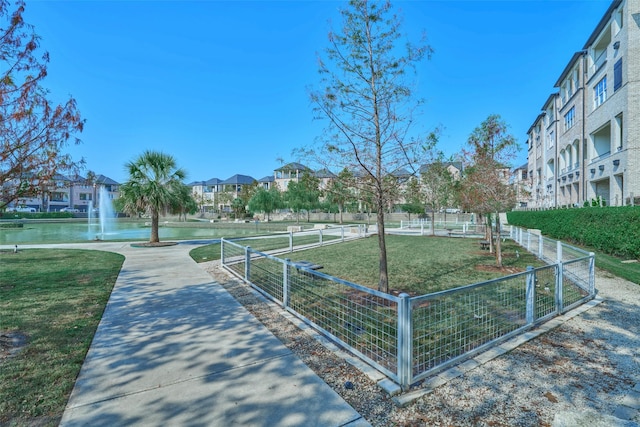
x=325, y=176
x=454, y=168
x=289, y=172
x=76, y=192
x=234, y=184
x=267, y=182
x=206, y=193
x=521, y=185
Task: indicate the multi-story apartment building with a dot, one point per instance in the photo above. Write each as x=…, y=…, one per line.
x=585, y=145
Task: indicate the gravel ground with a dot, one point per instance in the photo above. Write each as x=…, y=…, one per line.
x=582, y=369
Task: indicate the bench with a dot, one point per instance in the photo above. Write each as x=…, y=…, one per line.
x=449, y=231
x=484, y=244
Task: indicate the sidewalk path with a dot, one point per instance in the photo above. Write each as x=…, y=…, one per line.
x=175, y=349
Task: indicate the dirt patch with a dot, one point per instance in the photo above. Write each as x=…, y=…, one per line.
x=11, y=342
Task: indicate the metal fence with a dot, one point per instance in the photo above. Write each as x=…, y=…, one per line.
x=411, y=338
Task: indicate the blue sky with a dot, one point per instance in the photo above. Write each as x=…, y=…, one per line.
x=223, y=86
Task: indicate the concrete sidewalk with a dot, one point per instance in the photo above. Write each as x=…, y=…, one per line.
x=175, y=349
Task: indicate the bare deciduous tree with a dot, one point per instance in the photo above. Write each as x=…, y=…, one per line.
x=367, y=97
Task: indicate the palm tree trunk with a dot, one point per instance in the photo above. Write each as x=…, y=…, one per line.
x=155, y=219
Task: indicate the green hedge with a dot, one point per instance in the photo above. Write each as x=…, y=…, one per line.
x=612, y=230
x=35, y=215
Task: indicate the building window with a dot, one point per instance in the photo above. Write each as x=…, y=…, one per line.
x=600, y=92
x=569, y=118
x=551, y=139
x=617, y=75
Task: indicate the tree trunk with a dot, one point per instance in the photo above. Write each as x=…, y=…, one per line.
x=340, y=210
x=498, y=243
x=433, y=222
x=383, y=283
x=155, y=219
x=489, y=233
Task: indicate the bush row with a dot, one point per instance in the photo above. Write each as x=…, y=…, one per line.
x=612, y=230
x=35, y=215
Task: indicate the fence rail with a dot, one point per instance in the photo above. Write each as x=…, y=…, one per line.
x=410, y=338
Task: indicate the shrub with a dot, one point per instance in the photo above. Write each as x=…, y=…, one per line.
x=612, y=230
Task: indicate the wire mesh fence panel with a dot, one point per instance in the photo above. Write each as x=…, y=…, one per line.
x=452, y=323
x=266, y=274
x=545, y=291
x=362, y=320
x=570, y=253
x=233, y=257
x=534, y=243
x=549, y=250
x=575, y=279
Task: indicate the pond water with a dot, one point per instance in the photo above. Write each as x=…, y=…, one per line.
x=77, y=231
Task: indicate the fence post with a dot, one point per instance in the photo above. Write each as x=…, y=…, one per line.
x=530, y=295
x=222, y=251
x=247, y=264
x=559, y=284
x=291, y=241
x=285, y=282
x=342, y=233
x=558, y=251
x=405, y=342
x=422, y=228
x=320, y=231
x=592, y=274
x=529, y=241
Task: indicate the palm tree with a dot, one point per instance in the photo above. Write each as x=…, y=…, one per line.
x=155, y=182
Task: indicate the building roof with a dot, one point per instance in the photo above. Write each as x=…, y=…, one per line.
x=213, y=181
x=294, y=166
x=549, y=99
x=576, y=56
x=238, y=179
x=268, y=178
x=457, y=165
x=540, y=116
x=324, y=173
x=401, y=173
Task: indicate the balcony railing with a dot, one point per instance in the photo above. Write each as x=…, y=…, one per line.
x=601, y=156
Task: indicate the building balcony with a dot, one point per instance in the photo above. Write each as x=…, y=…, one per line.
x=601, y=157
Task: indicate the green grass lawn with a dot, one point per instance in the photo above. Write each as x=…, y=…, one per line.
x=616, y=266
x=418, y=265
x=56, y=298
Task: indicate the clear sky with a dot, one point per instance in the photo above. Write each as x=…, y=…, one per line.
x=223, y=86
